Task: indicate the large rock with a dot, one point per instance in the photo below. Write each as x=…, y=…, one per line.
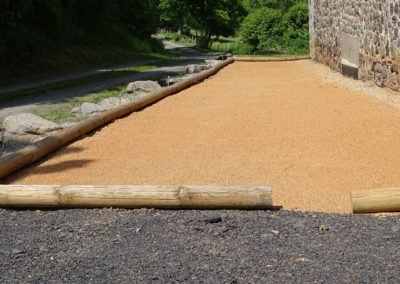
x=27, y=123
x=212, y=62
x=168, y=81
x=110, y=103
x=88, y=109
x=142, y=87
x=193, y=68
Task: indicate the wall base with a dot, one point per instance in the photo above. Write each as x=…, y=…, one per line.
x=350, y=71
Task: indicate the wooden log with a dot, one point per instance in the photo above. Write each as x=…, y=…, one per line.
x=271, y=59
x=376, y=200
x=237, y=197
x=163, y=197
x=48, y=145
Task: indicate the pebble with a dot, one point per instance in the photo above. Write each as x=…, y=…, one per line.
x=299, y=226
x=43, y=249
x=323, y=228
x=275, y=232
x=395, y=228
x=267, y=236
x=213, y=218
x=17, y=251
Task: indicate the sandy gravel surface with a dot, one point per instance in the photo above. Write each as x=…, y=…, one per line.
x=279, y=124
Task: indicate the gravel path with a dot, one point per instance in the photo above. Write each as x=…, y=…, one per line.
x=312, y=140
x=151, y=246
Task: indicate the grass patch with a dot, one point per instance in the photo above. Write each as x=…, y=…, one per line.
x=85, y=80
x=235, y=46
x=61, y=113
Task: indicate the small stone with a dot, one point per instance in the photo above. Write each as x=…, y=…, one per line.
x=213, y=218
x=90, y=108
x=109, y=103
x=323, y=228
x=43, y=249
x=266, y=236
x=212, y=63
x=193, y=68
x=138, y=230
x=303, y=259
x=275, y=232
x=384, y=73
x=395, y=228
x=299, y=226
x=168, y=81
x=17, y=251
x=378, y=68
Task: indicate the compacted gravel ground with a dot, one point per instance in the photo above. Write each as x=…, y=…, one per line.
x=280, y=124
x=152, y=246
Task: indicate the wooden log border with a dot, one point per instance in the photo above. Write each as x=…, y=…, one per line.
x=162, y=197
x=271, y=59
x=37, y=151
x=376, y=200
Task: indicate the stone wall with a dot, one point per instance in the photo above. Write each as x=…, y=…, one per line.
x=359, y=38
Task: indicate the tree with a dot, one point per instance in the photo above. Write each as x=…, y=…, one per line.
x=283, y=5
x=30, y=28
x=174, y=14
x=296, y=20
x=215, y=17
x=141, y=18
x=263, y=29
x=296, y=34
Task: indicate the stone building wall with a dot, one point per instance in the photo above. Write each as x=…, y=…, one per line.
x=360, y=38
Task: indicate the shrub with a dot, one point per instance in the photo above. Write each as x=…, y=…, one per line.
x=296, y=34
x=263, y=29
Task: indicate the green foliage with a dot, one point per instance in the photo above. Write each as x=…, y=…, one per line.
x=296, y=20
x=30, y=28
x=174, y=15
x=296, y=34
x=209, y=18
x=273, y=27
x=263, y=29
x=236, y=47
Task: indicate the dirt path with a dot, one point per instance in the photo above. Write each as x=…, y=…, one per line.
x=279, y=124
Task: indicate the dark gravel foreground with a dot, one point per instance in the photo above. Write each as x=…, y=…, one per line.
x=155, y=246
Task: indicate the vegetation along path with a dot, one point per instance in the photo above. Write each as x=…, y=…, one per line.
x=123, y=74
x=279, y=124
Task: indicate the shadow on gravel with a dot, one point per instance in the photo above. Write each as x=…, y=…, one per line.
x=59, y=167
x=70, y=150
